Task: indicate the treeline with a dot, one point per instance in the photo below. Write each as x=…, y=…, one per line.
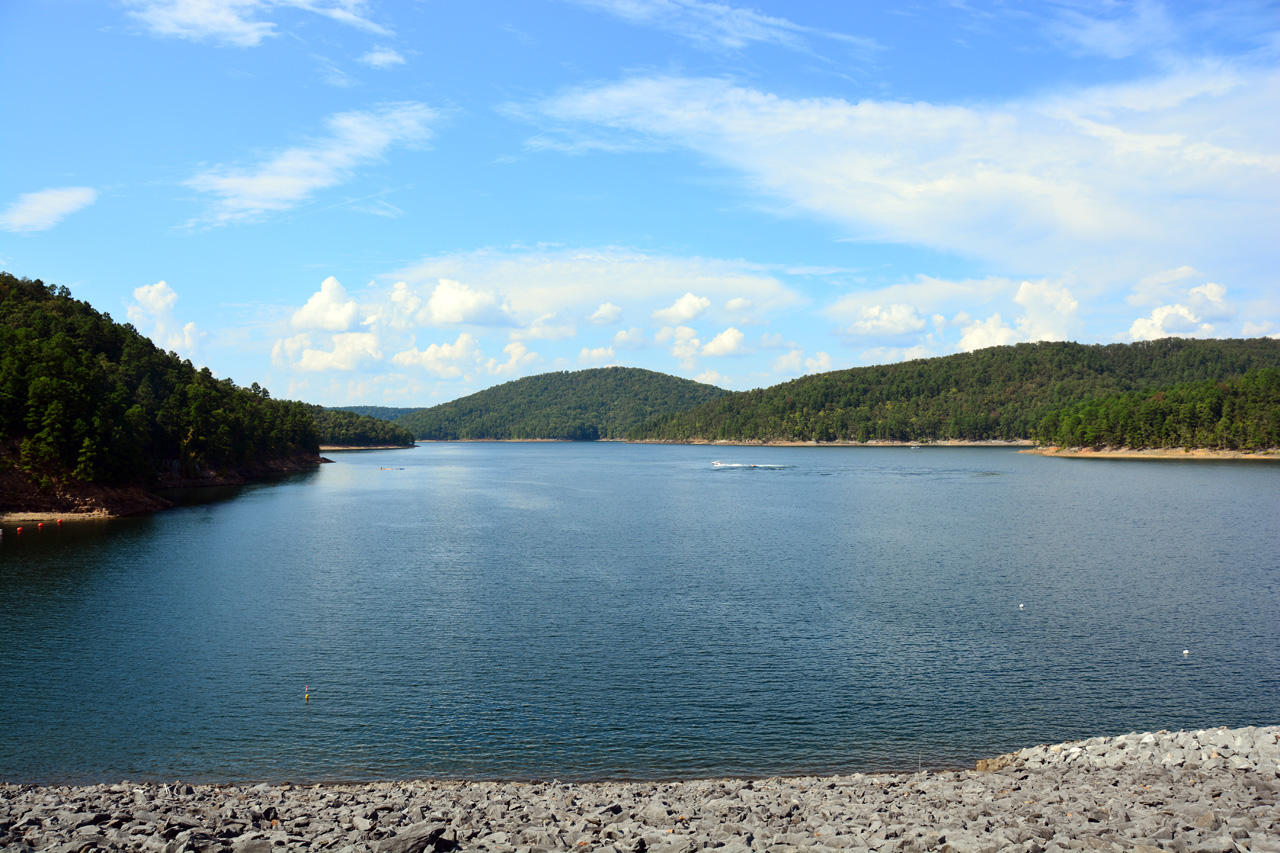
x=90, y=400
x=1001, y=393
x=1241, y=413
x=583, y=405
x=386, y=413
x=340, y=427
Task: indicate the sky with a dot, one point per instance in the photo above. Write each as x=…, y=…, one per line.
x=401, y=203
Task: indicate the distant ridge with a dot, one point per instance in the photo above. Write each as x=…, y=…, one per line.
x=386, y=413
x=1002, y=393
x=583, y=405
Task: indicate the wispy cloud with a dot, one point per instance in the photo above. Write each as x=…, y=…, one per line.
x=287, y=179
x=1112, y=181
x=40, y=211
x=717, y=25
x=382, y=57
x=239, y=23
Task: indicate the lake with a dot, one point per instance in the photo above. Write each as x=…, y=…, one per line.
x=603, y=610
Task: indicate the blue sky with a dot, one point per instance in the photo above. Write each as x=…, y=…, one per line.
x=402, y=203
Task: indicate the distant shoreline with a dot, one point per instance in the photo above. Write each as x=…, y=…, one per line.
x=1180, y=453
x=327, y=448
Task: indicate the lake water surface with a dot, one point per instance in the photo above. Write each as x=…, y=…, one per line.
x=606, y=610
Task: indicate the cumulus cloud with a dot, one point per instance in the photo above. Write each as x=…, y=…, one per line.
x=727, y=342
x=598, y=355
x=285, y=180
x=789, y=362
x=350, y=350
x=605, y=314
x=632, y=337
x=684, y=343
x=151, y=313
x=328, y=309
x=237, y=23
x=40, y=211
x=1194, y=315
x=684, y=309
x=452, y=302
x=1050, y=311
x=711, y=377
x=991, y=332
x=895, y=319
x=448, y=361
x=518, y=356
x=382, y=57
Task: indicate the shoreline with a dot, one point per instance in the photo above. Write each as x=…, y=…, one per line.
x=1210, y=789
x=1179, y=453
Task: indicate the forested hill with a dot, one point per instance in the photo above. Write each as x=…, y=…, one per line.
x=1000, y=393
x=88, y=402
x=343, y=428
x=386, y=413
x=583, y=405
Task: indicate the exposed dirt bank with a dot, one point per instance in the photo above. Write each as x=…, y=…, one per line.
x=1193, y=454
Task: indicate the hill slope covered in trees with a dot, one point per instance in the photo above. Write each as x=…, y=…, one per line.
x=88, y=404
x=1000, y=393
x=343, y=428
x=386, y=413
x=584, y=405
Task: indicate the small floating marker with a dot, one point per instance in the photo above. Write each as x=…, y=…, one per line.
x=306, y=693
x=40, y=525
x=1186, y=652
x=19, y=530
x=59, y=521
x=1020, y=606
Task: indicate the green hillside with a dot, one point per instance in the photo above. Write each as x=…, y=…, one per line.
x=350, y=429
x=1241, y=413
x=1000, y=393
x=386, y=413
x=584, y=405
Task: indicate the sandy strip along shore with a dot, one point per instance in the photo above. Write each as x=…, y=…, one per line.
x=1210, y=790
x=1182, y=453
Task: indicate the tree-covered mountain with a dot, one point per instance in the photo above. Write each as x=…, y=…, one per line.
x=1000, y=393
x=85, y=400
x=342, y=428
x=583, y=405
x=386, y=413
x=1240, y=413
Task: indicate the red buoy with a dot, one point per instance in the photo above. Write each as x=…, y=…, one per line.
x=59, y=521
x=40, y=525
x=19, y=529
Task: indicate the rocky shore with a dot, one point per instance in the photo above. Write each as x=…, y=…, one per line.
x=1210, y=790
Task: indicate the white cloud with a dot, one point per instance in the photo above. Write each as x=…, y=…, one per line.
x=151, y=313
x=711, y=377
x=716, y=25
x=684, y=343
x=382, y=57
x=1050, y=312
x=599, y=355
x=1159, y=287
x=328, y=309
x=448, y=361
x=518, y=356
x=544, y=329
x=237, y=23
x=820, y=363
x=350, y=351
x=1190, y=316
x=1252, y=330
x=453, y=302
x=40, y=211
x=990, y=332
x=1138, y=27
x=892, y=319
x=790, y=362
x=605, y=314
x=295, y=174
x=574, y=281
x=684, y=309
x=727, y=342
x=1105, y=181
x=632, y=337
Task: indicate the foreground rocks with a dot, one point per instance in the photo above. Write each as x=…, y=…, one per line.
x=1211, y=790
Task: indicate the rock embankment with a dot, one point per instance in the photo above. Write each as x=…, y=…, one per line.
x=1212, y=790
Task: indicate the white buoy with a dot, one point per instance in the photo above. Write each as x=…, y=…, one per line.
x=1186, y=652
x=1020, y=606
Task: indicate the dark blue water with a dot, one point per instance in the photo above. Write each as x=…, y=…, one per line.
x=606, y=610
